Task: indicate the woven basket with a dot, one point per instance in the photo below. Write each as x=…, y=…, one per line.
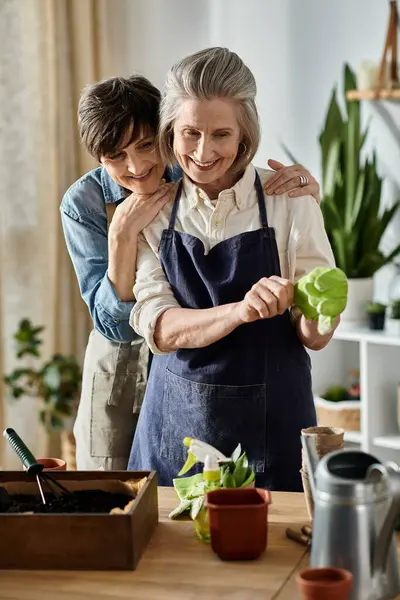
x=345, y=415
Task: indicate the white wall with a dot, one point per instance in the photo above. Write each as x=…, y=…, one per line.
x=296, y=50
x=150, y=35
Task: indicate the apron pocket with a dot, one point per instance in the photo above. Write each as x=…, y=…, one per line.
x=220, y=415
x=111, y=427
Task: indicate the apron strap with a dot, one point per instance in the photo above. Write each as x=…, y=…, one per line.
x=261, y=202
x=174, y=212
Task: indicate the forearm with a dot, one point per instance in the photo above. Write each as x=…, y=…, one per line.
x=307, y=332
x=187, y=328
x=122, y=265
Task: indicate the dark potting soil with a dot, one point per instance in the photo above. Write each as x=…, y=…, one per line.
x=87, y=501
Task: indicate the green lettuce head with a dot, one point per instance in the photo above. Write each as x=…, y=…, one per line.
x=322, y=296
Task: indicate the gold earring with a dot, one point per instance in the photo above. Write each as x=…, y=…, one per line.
x=244, y=149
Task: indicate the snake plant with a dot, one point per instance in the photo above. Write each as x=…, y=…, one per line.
x=351, y=190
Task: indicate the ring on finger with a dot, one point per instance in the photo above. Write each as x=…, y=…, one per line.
x=303, y=180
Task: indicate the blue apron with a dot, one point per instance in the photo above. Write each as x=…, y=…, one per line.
x=252, y=387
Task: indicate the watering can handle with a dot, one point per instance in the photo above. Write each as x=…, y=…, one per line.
x=391, y=473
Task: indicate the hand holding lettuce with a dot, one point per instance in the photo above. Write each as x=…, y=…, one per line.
x=322, y=296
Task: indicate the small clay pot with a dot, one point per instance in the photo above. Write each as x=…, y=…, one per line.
x=53, y=464
x=238, y=520
x=324, y=584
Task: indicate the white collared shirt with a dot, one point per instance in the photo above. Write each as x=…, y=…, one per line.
x=299, y=229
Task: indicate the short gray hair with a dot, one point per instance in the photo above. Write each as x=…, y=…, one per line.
x=204, y=75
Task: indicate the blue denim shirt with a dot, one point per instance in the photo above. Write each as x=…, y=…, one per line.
x=84, y=222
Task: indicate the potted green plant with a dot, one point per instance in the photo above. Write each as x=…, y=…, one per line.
x=55, y=383
x=376, y=315
x=393, y=320
x=351, y=201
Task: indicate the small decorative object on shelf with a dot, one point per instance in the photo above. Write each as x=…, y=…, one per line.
x=367, y=75
x=393, y=321
x=383, y=82
x=340, y=406
x=376, y=316
x=354, y=388
x=393, y=316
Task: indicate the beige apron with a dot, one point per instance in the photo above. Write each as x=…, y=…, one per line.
x=113, y=385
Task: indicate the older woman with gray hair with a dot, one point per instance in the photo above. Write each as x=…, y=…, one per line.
x=214, y=287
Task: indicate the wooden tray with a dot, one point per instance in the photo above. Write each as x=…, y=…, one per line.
x=79, y=541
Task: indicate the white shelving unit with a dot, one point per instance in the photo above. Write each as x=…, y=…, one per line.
x=377, y=356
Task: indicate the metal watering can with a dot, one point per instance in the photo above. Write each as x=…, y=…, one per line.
x=356, y=504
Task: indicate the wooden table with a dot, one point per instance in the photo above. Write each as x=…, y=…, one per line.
x=177, y=566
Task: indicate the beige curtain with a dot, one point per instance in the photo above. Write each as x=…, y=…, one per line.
x=49, y=50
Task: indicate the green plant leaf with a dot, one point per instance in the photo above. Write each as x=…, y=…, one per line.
x=184, y=486
x=240, y=471
x=331, y=167
x=353, y=216
x=196, y=506
x=183, y=506
x=250, y=477
x=332, y=129
x=228, y=480
x=236, y=453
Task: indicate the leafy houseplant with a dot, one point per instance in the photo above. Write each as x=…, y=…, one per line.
x=336, y=393
x=351, y=191
x=376, y=315
x=56, y=383
x=395, y=310
x=235, y=472
x=393, y=320
x=351, y=196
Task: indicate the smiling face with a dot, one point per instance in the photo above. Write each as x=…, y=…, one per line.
x=136, y=166
x=206, y=141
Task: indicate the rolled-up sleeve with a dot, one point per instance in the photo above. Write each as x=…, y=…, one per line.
x=88, y=248
x=312, y=244
x=152, y=292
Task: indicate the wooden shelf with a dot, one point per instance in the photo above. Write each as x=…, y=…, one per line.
x=374, y=94
x=354, y=437
x=388, y=441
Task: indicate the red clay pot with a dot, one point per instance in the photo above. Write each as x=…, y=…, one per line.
x=238, y=522
x=324, y=584
x=53, y=464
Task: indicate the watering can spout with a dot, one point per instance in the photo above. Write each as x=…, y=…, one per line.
x=311, y=459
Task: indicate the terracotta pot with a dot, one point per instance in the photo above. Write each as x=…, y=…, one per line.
x=53, y=464
x=324, y=584
x=238, y=520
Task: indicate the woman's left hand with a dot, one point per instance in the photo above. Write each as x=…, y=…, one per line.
x=287, y=179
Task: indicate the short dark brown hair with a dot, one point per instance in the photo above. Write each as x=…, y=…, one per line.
x=111, y=108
